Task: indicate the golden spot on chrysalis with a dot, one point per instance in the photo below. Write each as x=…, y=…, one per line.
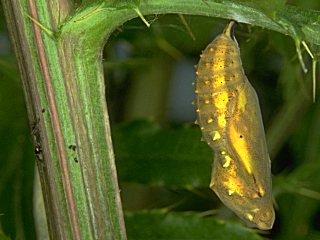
x=222, y=120
x=219, y=81
x=249, y=216
x=255, y=210
x=216, y=136
x=207, y=101
x=230, y=192
x=242, y=101
x=210, y=120
x=261, y=191
x=221, y=100
x=241, y=147
x=232, y=183
x=228, y=161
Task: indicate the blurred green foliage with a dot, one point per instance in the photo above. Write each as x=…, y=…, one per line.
x=17, y=160
x=163, y=167
x=174, y=226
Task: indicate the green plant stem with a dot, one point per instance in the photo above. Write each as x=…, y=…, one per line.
x=70, y=126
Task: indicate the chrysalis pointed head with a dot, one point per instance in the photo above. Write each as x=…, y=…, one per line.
x=229, y=31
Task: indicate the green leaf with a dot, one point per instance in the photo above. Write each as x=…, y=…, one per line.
x=147, y=154
x=3, y=236
x=156, y=225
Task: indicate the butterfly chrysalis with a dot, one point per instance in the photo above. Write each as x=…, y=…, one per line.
x=230, y=120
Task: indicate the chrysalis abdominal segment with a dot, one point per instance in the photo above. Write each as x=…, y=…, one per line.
x=230, y=119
